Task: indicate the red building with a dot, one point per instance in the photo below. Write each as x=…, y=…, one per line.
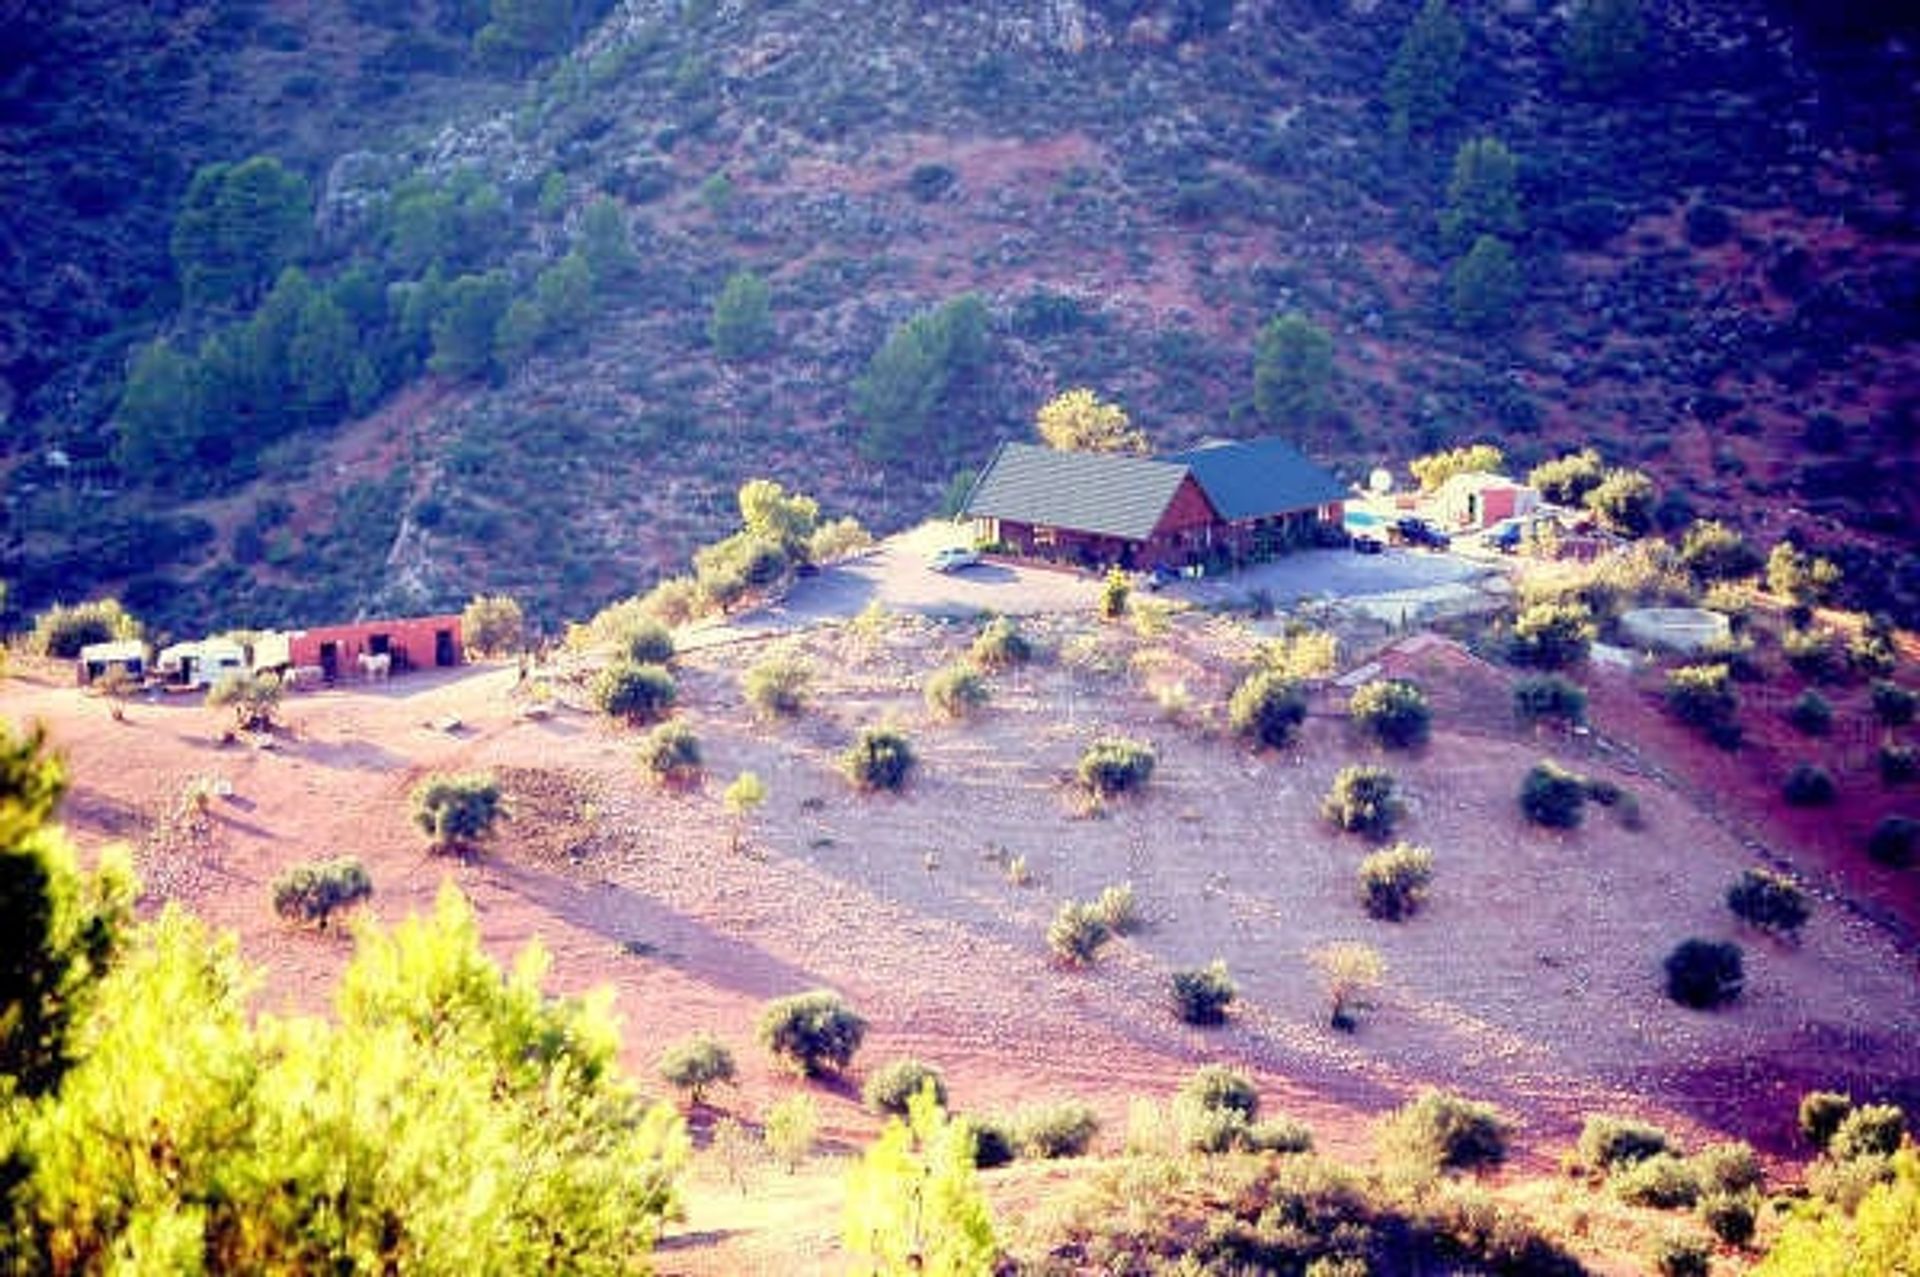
x=420, y=642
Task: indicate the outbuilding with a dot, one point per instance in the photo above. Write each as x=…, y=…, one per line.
x=201, y=663
x=409, y=643
x=1479, y=500
x=96, y=660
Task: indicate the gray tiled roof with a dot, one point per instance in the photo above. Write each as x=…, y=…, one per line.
x=1258, y=477
x=1102, y=493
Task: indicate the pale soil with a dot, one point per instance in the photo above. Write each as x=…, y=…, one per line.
x=1532, y=978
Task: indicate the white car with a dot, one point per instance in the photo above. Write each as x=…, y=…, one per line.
x=952, y=558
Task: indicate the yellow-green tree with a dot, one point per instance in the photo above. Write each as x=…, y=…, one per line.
x=1434, y=469
x=913, y=1202
x=1882, y=1235
x=1078, y=420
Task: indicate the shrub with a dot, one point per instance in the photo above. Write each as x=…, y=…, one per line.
x=313, y=892
x=1552, y=796
x=1549, y=696
x=457, y=811
x=1814, y=654
x=1731, y=1217
x=1730, y=1167
x=880, y=759
x=1893, y=704
x=647, y=643
x=993, y=1142
x=1552, y=635
x=1895, y=842
x=1703, y=974
x=892, y=1085
x=1076, y=933
x=1438, y=1130
x=1114, y=589
x=1811, y=714
x=1714, y=552
x=777, y=686
x=1702, y=696
x=792, y=1123
x=1117, y=908
x=1663, y=1181
x=956, y=691
x=1116, y=765
x=1567, y=479
x=1899, y=764
x=253, y=698
x=1624, y=502
x=1215, y=1086
x=1278, y=1135
x=637, y=693
x=1393, y=883
x=1203, y=994
x=1678, y=1255
x=692, y=1064
x=1769, y=901
x=1808, y=785
x=1363, y=800
x=1267, y=709
x=1872, y=1130
x=1000, y=646
x=492, y=625
x=1821, y=1113
x=812, y=1033
x=1350, y=972
x=1394, y=711
x=1608, y=1142
x=61, y=631
x=1064, y=1128
x=671, y=754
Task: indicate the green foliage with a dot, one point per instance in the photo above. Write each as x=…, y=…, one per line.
x=1063, y=1128
x=559, y=308
x=1077, y=932
x=1363, y=800
x=1820, y=1115
x=837, y=539
x=1394, y=712
x=1435, y=468
x=1800, y=578
x=463, y=331
x=1440, y=1131
x=1808, y=785
x=237, y=227
x=647, y=642
x=1702, y=696
x=1868, y=1131
x=956, y=691
x=606, y=245
x=1201, y=995
x=1000, y=646
x=253, y=698
x=1078, y=420
x=1730, y=1217
x=812, y=1033
x=1425, y=74
x=1552, y=796
x=61, y=631
x=315, y=891
x=1704, y=974
x=1662, y=1181
x=61, y=927
x=1118, y=909
x=1552, y=635
x=1350, y=971
x=777, y=686
x=905, y=398
x=1712, y=551
x=1899, y=764
x=1608, y=1143
x=1624, y=502
x=1895, y=842
x=1216, y=1086
x=695, y=1063
x=1729, y=1167
x=1393, y=881
x=993, y=1142
x=741, y=326
x=1681, y=1255
x=492, y=625
x=1813, y=653
x=1292, y=370
x=1116, y=765
x=1267, y=709
x=1114, y=592
x=522, y=32
x=892, y=1087
x=913, y=1203
x=457, y=811
x=671, y=754
x=1483, y=194
x=198, y=1137
x=880, y=758
x=770, y=514
x=160, y=411
x=1567, y=479
x=1549, y=696
x=633, y=691
x=1769, y=901
x=1811, y=714
x=791, y=1126
x=1605, y=45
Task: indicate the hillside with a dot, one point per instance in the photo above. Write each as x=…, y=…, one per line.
x=1714, y=242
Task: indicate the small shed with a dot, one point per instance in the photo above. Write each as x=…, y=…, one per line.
x=201, y=663
x=408, y=643
x=97, y=660
x=1480, y=500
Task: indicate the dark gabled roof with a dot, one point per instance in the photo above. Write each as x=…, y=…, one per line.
x=1096, y=492
x=1258, y=477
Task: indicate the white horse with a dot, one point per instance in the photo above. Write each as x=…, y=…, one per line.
x=376, y=665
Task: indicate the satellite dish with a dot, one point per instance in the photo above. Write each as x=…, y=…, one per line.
x=1380, y=482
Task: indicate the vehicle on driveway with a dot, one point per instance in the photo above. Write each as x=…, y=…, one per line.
x=1417, y=531
x=1160, y=578
x=952, y=558
x=1368, y=543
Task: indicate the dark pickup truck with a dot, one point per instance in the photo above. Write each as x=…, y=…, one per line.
x=1417, y=531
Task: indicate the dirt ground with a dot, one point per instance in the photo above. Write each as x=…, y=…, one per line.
x=1532, y=977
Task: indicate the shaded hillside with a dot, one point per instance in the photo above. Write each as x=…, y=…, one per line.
x=1717, y=281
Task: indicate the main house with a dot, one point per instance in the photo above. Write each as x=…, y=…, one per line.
x=1218, y=503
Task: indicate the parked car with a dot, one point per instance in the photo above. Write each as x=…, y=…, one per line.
x=1160, y=578
x=1368, y=543
x=952, y=558
x=1417, y=531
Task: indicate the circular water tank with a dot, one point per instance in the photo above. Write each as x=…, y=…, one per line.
x=1676, y=629
x=1380, y=482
